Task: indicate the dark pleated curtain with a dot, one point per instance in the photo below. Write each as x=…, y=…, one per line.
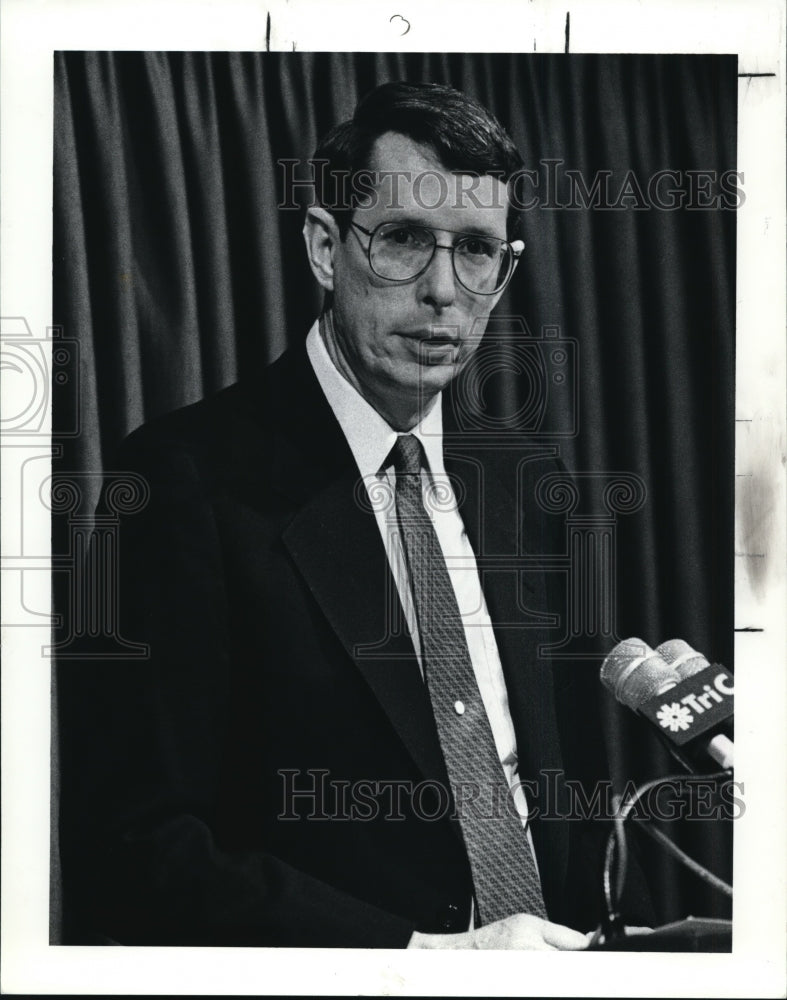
x=175, y=270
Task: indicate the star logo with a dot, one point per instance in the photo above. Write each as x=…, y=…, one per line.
x=674, y=717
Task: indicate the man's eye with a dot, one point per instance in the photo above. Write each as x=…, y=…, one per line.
x=476, y=247
x=405, y=236
x=402, y=236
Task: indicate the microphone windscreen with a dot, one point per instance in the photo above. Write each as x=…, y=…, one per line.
x=634, y=672
x=685, y=661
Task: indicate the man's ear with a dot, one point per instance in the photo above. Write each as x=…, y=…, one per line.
x=321, y=234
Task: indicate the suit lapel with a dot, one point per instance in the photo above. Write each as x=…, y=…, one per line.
x=337, y=547
x=335, y=543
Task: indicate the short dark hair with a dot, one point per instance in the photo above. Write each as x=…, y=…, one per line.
x=463, y=135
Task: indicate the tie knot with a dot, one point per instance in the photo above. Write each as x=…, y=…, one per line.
x=407, y=455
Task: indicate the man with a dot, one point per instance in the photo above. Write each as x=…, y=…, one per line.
x=344, y=720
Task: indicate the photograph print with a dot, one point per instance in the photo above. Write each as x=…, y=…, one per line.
x=393, y=500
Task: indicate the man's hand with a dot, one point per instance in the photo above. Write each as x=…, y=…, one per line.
x=522, y=931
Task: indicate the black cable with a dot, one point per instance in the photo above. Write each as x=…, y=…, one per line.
x=623, y=855
x=617, y=838
x=685, y=859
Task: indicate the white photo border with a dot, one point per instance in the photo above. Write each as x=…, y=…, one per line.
x=755, y=30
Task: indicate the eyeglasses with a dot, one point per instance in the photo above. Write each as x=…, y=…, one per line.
x=401, y=251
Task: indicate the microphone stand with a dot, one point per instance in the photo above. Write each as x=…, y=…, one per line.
x=691, y=934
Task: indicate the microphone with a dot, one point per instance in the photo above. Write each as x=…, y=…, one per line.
x=634, y=672
x=685, y=661
x=688, y=701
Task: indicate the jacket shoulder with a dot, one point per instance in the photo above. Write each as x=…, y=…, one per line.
x=192, y=427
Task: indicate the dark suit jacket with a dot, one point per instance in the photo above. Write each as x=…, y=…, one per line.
x=277, y=662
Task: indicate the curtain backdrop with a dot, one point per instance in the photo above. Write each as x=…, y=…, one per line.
x=175, y=271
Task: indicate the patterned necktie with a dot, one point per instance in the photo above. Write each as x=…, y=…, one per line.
x=504, y=873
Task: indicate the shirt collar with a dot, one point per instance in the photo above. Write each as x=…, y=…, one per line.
x=369, y=435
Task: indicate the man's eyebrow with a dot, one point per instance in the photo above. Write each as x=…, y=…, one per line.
x=473, y=229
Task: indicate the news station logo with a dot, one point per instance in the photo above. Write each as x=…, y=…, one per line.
x=697, y=704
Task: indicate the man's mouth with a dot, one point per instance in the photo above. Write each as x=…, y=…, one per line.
x=436, y=337
x=436, y=347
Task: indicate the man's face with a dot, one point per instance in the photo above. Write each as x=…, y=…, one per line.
x=405, y=342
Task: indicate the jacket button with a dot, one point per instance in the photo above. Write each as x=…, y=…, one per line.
x=450, y=922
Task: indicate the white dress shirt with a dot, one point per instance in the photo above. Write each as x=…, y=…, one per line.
x=371, y=439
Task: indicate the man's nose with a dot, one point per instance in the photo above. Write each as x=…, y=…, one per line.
x=438, y=282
